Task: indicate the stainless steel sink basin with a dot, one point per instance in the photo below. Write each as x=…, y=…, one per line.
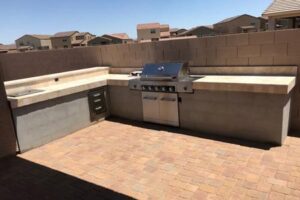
x=24, y=93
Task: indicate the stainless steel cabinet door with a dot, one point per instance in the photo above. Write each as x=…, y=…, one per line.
x=168, y=109
x=150, y=106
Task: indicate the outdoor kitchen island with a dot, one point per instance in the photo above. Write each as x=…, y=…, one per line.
x=253, y=108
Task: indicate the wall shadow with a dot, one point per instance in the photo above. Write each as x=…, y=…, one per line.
x=22, y=179
x=210, y=136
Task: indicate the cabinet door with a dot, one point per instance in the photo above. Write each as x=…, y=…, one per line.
x=168, y=109
x=150, y=107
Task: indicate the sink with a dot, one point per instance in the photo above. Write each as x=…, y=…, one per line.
x=24, y=93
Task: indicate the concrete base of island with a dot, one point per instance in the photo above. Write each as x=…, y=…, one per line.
x=252, y=116
x=43, y=122
x=255, y=108
x=125, y=103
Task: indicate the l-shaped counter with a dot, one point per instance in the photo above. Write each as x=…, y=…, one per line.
x=255, y=108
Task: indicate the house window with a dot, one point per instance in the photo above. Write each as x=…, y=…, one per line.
x=65, y=46
x=152, y=31
x=64, y=40
x=81, y=37
x=252, y=23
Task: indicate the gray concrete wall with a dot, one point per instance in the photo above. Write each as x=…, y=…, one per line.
x=43, y=122
x=125, y=103
x=257, y=117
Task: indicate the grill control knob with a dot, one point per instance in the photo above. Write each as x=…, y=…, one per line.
x=163, y=88
x=156, y=88
x=171, y=89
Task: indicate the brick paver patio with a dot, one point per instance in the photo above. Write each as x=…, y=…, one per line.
x=152, y=162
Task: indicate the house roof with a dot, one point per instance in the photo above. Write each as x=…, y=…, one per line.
x=174, y=30
x=148, y=26
x=82, y=33
x=41, y=37
x=209, y=27
x=122, y=36
x=279, y=7
x=64, y=34
x=164, y=26
x=100, y=37
x=233, y=18
x=38, y=36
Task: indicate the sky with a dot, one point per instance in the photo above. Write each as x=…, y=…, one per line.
x=19, y=17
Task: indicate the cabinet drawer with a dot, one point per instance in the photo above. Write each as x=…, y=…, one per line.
x=97, y=103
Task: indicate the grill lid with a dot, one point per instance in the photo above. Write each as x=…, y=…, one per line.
x=165, y=71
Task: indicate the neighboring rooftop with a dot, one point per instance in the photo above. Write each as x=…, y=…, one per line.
x=64, y=34
x=82, y=33
x=38, y=36
x=164, y=26
x=192, y=30
x=279, y=7
x=148, y=26
x=122, y=36
x=232, y=18
x=41, y=37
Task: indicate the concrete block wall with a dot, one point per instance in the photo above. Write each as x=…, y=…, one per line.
x=274, y=48
x=37, y=63
x=248, y=49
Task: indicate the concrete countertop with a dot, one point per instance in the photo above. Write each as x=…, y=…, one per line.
x=257, y=84
x=71, y=87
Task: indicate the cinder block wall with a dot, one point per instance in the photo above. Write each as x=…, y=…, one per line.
x=29, y=64
x=248, y=49
x=274, y=48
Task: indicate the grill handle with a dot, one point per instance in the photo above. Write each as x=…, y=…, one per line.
x=150, y=98
x=167, y=99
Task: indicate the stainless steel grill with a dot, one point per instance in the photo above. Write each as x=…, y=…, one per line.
x=164, y=72
x=163, y=77
x=160, y=85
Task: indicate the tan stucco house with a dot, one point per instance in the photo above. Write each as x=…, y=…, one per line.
x=36, y=42
x=152, y=31
x=63, y=39
x=116, y=38
x=283, y=14
x=238, y=24
x=81, y=39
